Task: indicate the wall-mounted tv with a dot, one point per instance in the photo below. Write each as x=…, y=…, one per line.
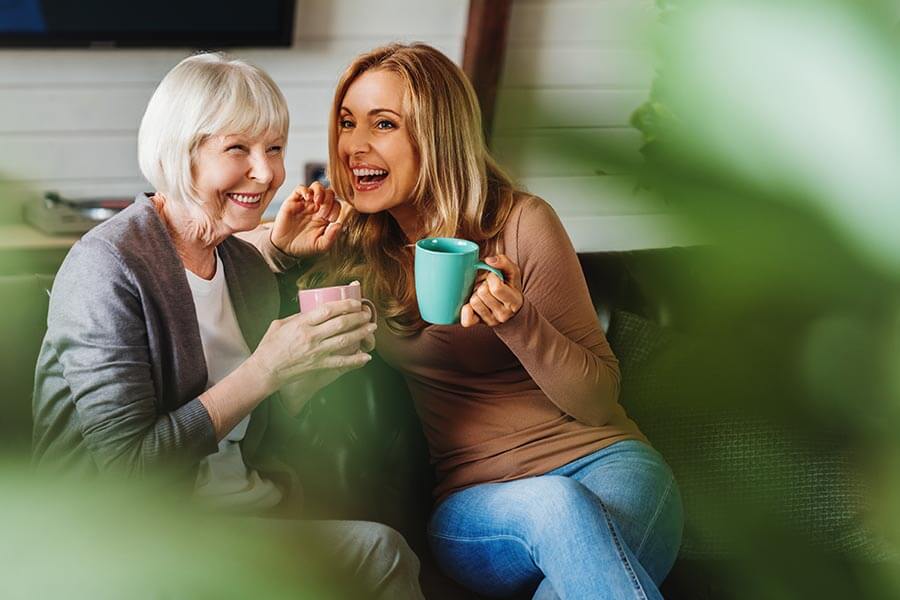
x=207, y=24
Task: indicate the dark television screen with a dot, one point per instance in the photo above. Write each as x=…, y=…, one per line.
x=191, y=23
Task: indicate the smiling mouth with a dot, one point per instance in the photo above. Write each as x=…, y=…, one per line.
x=366, y=180
x=245, y=200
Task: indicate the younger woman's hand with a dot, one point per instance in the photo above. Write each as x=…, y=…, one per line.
x=308, y=222
x=494, y=301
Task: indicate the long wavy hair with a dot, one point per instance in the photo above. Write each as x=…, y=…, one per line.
x=460, y=190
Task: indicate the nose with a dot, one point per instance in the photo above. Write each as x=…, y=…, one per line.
x=359, y=140
x=260, y=169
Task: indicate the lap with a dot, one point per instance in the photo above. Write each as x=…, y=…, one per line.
x=629, y=480
x=346, y=546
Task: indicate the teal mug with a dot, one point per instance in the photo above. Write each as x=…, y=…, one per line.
x=445, y=271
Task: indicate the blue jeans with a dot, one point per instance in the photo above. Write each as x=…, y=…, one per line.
x=607, y=525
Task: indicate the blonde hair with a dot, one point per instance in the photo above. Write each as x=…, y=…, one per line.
x=203, y=95
x=460, y=190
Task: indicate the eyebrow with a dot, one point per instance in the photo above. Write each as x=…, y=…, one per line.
x=237, y=138
x=374, y=111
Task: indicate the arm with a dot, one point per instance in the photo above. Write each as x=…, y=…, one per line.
x=261, y=238
x=96, y=322
x=307, y=224
x=555, y=334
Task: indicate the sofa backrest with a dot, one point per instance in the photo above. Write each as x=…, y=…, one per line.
x=24, y=299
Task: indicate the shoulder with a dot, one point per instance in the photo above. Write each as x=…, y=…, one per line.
x=530, y=220
x=528, y=210
x=132, y=247
x=133, y=234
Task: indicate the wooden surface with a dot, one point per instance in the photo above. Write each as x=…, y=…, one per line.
x=589, y=233
x=483, y=53
x=21, y=236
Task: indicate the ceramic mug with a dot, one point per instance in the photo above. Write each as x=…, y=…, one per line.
x=445, y=271
x=313, y=298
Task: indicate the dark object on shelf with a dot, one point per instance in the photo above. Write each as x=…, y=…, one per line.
x=56, y=215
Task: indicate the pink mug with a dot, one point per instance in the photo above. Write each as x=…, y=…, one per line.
x=316, y=297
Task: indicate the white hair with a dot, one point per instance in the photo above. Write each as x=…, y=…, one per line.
x=203, y=95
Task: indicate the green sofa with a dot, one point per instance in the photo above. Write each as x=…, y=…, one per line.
x=752, y=485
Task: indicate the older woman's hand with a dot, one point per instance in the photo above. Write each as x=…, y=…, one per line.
x=329, y=337
x=307, y=222
x=494, y=301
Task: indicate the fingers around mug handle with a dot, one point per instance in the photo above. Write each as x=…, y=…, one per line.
x=371, y=306
x=486, y=267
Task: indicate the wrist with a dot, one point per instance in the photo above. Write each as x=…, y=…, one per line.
x=512, y=323
x=264, y=379
x=274, y=245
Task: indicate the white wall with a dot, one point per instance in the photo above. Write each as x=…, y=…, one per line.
x=574, y=68
x=69, y=117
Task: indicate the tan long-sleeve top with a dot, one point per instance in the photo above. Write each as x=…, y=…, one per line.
x=527, y=396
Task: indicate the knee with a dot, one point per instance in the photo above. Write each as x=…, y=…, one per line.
x=389, y=552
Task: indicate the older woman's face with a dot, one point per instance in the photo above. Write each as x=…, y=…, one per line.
x=237, y=176
x=374, y=143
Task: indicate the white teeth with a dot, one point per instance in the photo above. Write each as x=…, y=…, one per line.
x=246, y=199
x=364, y=172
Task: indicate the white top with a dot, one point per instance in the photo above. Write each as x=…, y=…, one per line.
x=223, y=479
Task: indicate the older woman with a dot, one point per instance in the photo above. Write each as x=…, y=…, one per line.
x=161, y=353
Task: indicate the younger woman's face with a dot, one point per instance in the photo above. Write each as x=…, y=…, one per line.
x=374, y=144
x=236, y=176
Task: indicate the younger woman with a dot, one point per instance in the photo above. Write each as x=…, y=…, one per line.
x=543, y=481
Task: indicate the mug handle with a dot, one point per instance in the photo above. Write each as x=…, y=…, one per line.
x=371, y=305
x=485, y=267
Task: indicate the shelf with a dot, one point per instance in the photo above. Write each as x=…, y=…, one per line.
x=19, y=236
x=589, y=233
x=622, y=233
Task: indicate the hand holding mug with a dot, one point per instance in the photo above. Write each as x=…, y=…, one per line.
x=311, y=299
x=308, y=221
x=328, y=337
x=445, y=270
x=494, y=301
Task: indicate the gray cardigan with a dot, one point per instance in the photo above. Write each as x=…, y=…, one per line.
x=121, y=365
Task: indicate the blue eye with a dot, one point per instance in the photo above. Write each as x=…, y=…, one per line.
x=276, y=149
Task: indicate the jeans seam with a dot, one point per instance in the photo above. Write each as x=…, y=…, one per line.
x=652, y=523
x=487, y=538
x=638, y=588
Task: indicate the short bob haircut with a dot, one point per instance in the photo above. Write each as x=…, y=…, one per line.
x=204, y=95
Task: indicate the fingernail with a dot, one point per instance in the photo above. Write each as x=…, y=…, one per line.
x=371, y=327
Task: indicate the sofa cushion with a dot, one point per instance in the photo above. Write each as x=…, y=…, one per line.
x=738, y=469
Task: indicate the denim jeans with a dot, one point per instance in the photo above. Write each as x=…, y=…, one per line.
x=607, y=525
